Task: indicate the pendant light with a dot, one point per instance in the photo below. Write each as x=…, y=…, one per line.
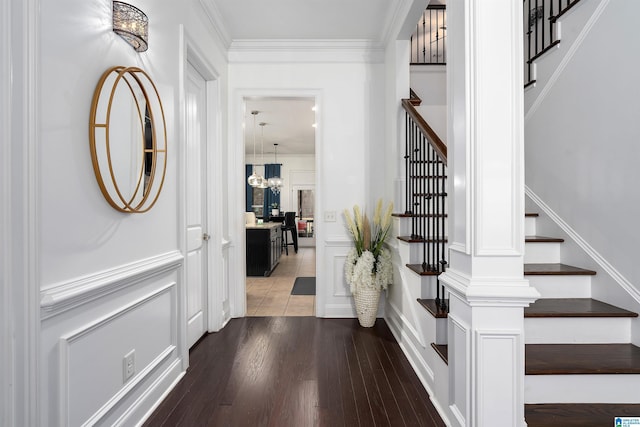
x=254, y=180
x=263, y=182
x=275, y=183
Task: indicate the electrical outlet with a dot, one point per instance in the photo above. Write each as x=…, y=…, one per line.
x=129, y=365
x=330, y=216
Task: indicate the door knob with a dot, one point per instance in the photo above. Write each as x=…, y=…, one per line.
x=206, y=237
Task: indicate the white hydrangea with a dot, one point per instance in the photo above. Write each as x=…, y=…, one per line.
x=366, y=271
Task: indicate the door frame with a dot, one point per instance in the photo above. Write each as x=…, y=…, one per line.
x=190, y=53
x=237, y=271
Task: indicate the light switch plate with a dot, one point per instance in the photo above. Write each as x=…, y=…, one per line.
x=329, y=216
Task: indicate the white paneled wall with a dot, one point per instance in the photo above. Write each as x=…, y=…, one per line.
x=109, y=283
x=86, y=336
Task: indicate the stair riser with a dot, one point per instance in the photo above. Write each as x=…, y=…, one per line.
x=529, y=226
x=541, y=253
x=622, y=388
x=561, y=286
x=428, y=285
x=402, y=226
x=577, y=330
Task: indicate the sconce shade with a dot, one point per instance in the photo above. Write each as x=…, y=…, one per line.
x=131, y=24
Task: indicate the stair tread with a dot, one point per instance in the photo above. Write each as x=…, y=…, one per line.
x=542, y=239
x=574, y=307
x=410, y=215
x=419, y=239
x=557, y=269
x=435, y=309
x=417, y=268
x=577, y=414
x=442, y=350
x=561, y=359
x=531, y=214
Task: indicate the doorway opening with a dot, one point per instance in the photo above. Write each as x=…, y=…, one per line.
x=279, y=220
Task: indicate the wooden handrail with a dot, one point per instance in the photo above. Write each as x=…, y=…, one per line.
x=433, y=138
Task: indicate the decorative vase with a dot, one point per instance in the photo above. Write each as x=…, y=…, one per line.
x=366, y=300
x=275, y=212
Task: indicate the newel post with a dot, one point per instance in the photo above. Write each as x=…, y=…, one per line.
x=485, y=279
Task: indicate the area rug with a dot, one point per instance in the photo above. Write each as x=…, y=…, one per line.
x=304, y=286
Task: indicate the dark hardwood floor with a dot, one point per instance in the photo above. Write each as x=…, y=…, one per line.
x=298, y=371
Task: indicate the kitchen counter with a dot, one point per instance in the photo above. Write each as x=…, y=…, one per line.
x=264, y=247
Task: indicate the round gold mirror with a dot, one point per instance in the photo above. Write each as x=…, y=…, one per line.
x=128, y=138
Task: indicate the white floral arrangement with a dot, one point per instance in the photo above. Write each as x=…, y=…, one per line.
x=368, y=263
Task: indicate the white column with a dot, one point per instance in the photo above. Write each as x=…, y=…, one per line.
x=486, y=213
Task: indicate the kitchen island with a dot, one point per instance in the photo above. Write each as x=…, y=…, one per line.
x=264, y=246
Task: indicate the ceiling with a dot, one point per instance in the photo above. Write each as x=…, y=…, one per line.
x=288, y=123
x=306, y=19
x=289, y=120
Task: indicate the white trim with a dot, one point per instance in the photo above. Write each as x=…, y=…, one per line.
x=69, y=295
x=181, y=214
x=25, y=273
x=159, y=389
x=481, y=389
x=335, y=241
x=622, y=281
x=422, y=370
x=397, y=316
x=217, y=22
x=405, y=333
x=171, y=377
x=236, y=205
x=573, y=49
x=489, y=292
x=68, y=339
x=7, y=351
x=214, y=220
x=305, y=51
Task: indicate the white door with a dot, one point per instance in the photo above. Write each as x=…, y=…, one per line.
x=197, y=237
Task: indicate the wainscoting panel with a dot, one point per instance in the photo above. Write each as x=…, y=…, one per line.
x=84, y=345
x=92, y=357
x=338, y=301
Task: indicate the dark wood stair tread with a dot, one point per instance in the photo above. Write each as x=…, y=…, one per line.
x=531, y=215
x=435, y=309
x=542, y=239
x=574, y=307
x=410, y=215
x=419, y=239
x=577, y=414
x=442, y=350
x=555, y=270
x=561, y=359
x=417, y=268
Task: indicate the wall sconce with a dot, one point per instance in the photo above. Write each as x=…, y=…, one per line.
x=131, y=24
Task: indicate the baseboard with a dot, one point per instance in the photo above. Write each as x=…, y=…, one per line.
x=411, y=352
x=141, y=410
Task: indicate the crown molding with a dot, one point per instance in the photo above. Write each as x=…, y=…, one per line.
x=217, y=22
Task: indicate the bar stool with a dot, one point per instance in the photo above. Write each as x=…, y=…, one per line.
x=289, y=225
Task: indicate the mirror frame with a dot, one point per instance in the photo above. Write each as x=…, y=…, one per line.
x=131, y=76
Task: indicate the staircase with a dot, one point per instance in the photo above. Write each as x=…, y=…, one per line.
x=580, y=367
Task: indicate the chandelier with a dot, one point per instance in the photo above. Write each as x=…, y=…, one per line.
x=263, y=183
x=275, y=183
x=255, y=180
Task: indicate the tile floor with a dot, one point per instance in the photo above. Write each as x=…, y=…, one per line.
x=271, y=296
